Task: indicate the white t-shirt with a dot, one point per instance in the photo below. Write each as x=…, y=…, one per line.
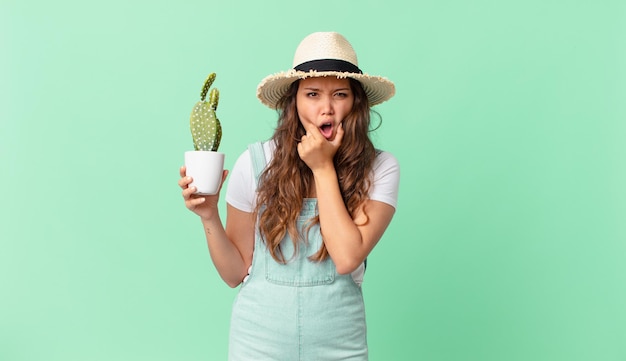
x=241, y=188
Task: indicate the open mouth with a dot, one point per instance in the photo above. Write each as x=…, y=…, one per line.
x=327, y=130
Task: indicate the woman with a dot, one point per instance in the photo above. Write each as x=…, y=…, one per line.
x=304, y=210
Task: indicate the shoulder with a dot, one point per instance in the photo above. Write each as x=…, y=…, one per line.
x=269, y=147
x=241, y=184
x=385, y=163
x=241, y=190
x=385, y=179
x=244, y=161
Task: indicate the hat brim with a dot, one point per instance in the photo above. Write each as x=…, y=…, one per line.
x=378, y=89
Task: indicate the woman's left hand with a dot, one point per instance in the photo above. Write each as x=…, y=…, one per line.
x=317, y=151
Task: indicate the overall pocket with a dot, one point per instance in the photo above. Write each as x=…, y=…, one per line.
x=298, y=270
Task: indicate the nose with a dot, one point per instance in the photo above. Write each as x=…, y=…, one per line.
x=327, y=106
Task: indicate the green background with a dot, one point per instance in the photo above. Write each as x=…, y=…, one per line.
x=509, y=241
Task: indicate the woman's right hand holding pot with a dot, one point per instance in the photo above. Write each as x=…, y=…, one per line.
x=205, y=206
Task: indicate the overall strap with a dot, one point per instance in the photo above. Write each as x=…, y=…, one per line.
x=258, y=159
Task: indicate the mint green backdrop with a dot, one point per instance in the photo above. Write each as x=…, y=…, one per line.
x=509, y=241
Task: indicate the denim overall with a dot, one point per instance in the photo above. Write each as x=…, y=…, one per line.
x=302, y=310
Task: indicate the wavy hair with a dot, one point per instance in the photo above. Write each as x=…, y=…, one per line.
x=287, y=180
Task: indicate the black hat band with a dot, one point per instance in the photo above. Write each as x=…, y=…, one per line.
x=328, y=65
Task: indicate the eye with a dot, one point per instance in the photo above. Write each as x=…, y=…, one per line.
x=341, y=95
x=311, y=94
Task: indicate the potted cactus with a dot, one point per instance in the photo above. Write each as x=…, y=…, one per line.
x=205, y=164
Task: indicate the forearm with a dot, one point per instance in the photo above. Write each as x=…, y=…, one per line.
x=342, y=237
x=226, y=257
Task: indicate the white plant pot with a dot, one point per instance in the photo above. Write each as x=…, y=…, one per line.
x=206, y=169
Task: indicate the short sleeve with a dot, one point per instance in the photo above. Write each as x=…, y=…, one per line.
x=385, y=179
x=241, y=186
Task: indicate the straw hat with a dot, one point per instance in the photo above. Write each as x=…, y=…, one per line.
x=324, y=54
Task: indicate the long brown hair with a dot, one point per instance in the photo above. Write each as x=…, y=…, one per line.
x=287, y=180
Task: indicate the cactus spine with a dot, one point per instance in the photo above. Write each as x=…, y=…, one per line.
x=206, y=129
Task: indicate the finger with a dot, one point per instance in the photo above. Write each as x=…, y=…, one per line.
x=311, y=130
x=339, y=136
x=224, y=175
x=183, y=171
x=193, y=202
x=188, y=192
x=184, y=182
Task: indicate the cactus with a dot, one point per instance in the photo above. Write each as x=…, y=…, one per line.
x=206, y=129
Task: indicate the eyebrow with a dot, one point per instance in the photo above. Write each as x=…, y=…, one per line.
x=318, y=89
